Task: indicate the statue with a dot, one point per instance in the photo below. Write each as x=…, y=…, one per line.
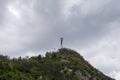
x=61, y=43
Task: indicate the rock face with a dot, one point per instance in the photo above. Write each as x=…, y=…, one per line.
x=64, y=64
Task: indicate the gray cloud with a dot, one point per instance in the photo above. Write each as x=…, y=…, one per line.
x=3, y=10
x=28, y=27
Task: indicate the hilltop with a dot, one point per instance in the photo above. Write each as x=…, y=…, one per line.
x=64, y=64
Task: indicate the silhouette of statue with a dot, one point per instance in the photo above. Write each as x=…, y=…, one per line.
x=61, y=43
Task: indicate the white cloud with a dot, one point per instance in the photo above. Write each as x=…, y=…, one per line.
x=14, y=11
x=115, y=75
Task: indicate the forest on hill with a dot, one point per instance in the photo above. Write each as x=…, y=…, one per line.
x=63, y=64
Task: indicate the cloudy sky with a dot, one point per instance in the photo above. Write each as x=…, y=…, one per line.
x=91, y=27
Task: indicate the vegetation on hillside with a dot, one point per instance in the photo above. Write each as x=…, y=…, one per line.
x=64, y=64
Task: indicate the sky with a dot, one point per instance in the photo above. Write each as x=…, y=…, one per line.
x=91, y=27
